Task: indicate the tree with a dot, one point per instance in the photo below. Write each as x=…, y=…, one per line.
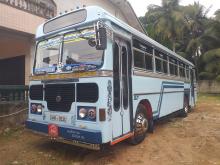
x=188, y=31
x=195, y=19
x=211, y=57
x=217, y=15
x=166, y=22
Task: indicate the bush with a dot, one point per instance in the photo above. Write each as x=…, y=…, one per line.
x=206, y=76
x=218, y=78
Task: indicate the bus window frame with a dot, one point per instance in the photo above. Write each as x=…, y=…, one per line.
x=145, y=53
x=175, y=66
x=183, y=69
x=158, y=56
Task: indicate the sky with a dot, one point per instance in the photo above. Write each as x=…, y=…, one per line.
x=140, y=6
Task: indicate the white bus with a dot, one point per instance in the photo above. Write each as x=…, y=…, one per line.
x=97, y=81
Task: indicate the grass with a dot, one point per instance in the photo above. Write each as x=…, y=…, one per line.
x=11, y=132
x=202, y=96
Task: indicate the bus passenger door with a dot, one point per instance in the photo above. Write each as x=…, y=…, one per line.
x=122, y=93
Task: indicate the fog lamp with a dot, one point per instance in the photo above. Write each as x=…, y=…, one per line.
x=33, y=108
x=92, y=113
x=39, y=108
x=82, y=113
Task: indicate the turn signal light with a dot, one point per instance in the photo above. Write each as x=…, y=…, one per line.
x=102, y=114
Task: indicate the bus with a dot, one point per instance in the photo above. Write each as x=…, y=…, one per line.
x=97, y=81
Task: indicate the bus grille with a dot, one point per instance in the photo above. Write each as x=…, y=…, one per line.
x=60, y=97
x=36, y=92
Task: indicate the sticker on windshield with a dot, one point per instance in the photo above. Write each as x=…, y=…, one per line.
x=49, y=43
x=79, y=36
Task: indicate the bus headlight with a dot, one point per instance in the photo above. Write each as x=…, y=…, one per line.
x=86, y=113
x=36, y=108
x=33, y=108
x=82, y=113
x=92, y=113
x=39, y=109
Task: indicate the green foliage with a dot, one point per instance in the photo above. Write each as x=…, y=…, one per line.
x=217, y=15
x=212, y=55
x=188, y=31
x=206, y=76
x=218, y=78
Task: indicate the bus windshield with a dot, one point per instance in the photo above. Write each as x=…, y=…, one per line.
x=48, y=53
x=76, y=51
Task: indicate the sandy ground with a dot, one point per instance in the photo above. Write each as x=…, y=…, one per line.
x=194, y=140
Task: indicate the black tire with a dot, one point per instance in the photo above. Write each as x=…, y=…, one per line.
x=151, y=126
x=186, y=108
x=141, y=125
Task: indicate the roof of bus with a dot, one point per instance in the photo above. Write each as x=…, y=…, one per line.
x=95, y=13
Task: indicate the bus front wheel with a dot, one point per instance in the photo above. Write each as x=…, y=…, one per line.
x=141, y=125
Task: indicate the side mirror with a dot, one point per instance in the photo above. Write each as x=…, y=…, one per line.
x=101, y=37
x=92, y=42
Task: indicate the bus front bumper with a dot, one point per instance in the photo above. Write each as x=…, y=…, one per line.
x=79, y=137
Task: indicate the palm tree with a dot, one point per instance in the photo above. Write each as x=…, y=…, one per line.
x=217, y=15
x=211, y=56
x=167, y=21
x=195, y=20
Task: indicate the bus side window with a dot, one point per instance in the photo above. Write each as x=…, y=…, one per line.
x=161, y=62
x=187, y=72
x=182, y=69
x=139, y=61
x=173, y=66
x=116, y=74
x=149, y=61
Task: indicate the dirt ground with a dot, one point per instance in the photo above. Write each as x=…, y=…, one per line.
x=194, y=140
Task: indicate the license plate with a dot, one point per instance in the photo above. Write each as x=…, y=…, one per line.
x=53, y=130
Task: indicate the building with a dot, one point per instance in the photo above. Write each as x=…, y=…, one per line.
x=19, y=20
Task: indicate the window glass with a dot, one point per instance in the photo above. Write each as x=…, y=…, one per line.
x=161, y=62
x=182, y=72
x=173, y=66
x=139, y=59
x=142, y=46
x=165, y=66
x=159, y=65
x=187, y=72
x=182, y=69
x=116, y=74
x=125, y=77
x=48, y=52
x=148, y=62
x=76, y=49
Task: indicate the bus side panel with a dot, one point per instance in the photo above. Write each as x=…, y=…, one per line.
x=165, y=96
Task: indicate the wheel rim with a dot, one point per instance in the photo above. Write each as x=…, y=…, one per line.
x=186, y=108
x=141, y=124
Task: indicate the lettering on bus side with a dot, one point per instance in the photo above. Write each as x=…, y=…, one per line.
x=109, y=101
x=75, y=134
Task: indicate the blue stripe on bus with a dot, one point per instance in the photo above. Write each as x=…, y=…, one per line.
x=165, y=85
x=88, y=136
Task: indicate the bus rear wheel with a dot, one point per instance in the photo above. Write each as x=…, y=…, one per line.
x=141, y=125
x=186, y=108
